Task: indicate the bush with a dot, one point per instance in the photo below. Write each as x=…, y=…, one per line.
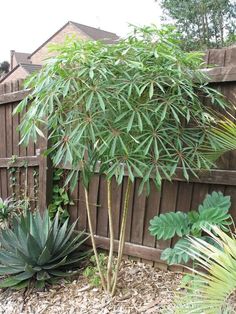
x=210, y=292
x=214, y=211
x=38, y=251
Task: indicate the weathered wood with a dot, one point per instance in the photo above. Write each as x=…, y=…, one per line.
x=102, y=222
x=30, y=161
x=82, y=213
x=131, y=249
x=221, y=74
x=213, y=176
x=45, y=176
x=13, y=97
x=152, y=209
x=116, y=206
x=138, y=214
x=93, y=198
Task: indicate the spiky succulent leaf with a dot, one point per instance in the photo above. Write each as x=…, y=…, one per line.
x=39, y=249
x=167, y=225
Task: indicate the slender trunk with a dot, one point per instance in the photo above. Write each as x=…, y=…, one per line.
x=111, y=231
x=122, y=236
x=207, y=31
x=221, y=21
x=93, y=240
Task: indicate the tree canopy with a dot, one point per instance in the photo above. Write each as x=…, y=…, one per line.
x=203, y=24
x=135, y=106
x=4, y=67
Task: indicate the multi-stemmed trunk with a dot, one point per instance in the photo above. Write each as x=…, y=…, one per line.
x=109, y=284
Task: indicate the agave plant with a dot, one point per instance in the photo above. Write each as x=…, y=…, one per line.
x=37, y=251
x=209, y=291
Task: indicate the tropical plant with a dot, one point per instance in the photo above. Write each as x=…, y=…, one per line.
x=210, y=289
x=131, y=109
x=213, y=211
x=38, y=251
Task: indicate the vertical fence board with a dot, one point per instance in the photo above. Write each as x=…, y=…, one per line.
x=138, y=215
x=93, y=198
x=102, y=216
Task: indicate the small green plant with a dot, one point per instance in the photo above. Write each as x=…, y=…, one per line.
x=60, y=198
x=91, y=271
x=213, y=211
x=38, y=251
x=210, y=289
x=7, y=210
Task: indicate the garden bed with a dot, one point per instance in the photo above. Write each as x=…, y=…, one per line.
x=141, y=289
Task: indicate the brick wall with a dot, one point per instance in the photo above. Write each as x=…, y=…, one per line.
x=42, y=53
x=19, y=73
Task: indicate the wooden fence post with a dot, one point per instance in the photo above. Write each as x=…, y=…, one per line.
x=45, y=175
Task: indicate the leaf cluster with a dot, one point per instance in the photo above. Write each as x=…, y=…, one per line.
x=214, y=211
x=38, y=251
x=91, y=271
x=60, y=198
x=214, y=282
x=136, y=107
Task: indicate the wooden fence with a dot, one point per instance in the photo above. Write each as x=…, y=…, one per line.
x=178, y=195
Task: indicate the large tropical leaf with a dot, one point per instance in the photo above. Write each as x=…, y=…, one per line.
x=209, y=291
x=167, y=225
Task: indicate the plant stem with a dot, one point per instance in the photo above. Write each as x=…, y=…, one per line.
x=111, y=231
x=93, y=240
x=122, y=235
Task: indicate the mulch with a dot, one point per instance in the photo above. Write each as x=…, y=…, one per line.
x=141, y=289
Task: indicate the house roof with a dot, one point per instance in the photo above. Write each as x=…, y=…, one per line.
x=96, y=33
x=22, y=57
x=29, y=68
x=93, y=33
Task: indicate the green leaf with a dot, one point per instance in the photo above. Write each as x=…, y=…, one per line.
x=167, y=225
x=177, y=254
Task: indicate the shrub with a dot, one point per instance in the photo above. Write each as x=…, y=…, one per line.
x=134, y=108
x=213, y=211
x=37, y=251
x=209, y=292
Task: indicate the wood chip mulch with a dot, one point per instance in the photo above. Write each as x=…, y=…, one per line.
x=141, y=289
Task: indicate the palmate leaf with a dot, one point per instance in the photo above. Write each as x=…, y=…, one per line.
x=209, y=291
x=167, y=225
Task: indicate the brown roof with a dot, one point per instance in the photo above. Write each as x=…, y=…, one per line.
x=22, y=57
x=31, y=68
x=96, y=33
x=93, y=33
